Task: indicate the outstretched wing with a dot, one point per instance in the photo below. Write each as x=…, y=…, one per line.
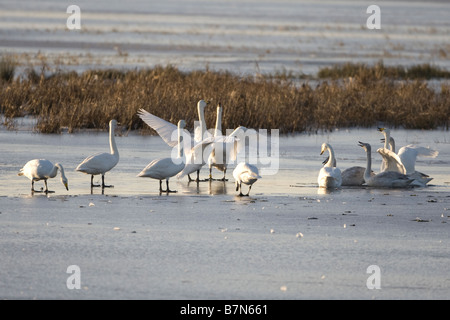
x=164, y=128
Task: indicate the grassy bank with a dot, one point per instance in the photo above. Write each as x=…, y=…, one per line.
x=89, y=100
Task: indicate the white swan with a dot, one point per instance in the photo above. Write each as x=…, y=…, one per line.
x=42, y=169
x=165, y=129
x=405, y=160
x=166, y=168
x=390, y=160
x=218, y=161
x=385, y=179
x=194, y=161
x=101, y=163
x=329, y=175
x=245, y=173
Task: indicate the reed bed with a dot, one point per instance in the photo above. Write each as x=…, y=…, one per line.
x=72, y=101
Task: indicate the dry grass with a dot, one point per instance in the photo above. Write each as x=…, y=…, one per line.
x=91, y=99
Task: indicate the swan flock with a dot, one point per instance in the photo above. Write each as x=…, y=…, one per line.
x=218, y=151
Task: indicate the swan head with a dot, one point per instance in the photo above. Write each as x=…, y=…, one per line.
x=202, y=104
x=64, y=179
x=113, y=123
x=181, y=124
x=365, y=146
x=384, y=130
x=325, y=146
x=65, y=183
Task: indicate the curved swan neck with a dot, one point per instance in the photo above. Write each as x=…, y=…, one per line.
x=61, y=169
x=112, y=140
x=392, y=144
x=331, y=160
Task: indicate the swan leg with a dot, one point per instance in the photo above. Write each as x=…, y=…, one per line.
x=103, y=183
x=32, y=187
x=240, y=189
x=249, y=188
x=92, y=182
x=46, y=187
x=224, y=173
x=167, y=187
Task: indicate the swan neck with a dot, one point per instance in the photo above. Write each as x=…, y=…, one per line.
x=180, y=143
x=369, y=164
x=392, y=144
x=331, y=159
x=201, y=118
x=61, y=170
x=387, y=138
x=219, y=122
x=112, y=141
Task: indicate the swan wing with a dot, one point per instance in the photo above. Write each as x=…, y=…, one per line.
x=391, y=161
x=409, y=153
x=353, y=176
x=162, y=168
x=98, y=163
x=164, y=128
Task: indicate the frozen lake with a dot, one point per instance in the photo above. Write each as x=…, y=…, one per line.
x=288, y=240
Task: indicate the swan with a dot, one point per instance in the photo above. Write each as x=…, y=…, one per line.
x=385, y=179
x=166, y=168
x=390, y=160
x=212, y=160
x=165, y=130
x=42, y=169
x=245, y=173
x=329, y=175
x=101, y=163
x=407, y=157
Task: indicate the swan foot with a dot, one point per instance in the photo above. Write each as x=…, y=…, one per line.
x=168, y=191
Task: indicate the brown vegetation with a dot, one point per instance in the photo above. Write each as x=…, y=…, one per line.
x=90, y=99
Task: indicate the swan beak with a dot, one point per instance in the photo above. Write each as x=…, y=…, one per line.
x=321, y=152
x=380, y=129
x=66, y=185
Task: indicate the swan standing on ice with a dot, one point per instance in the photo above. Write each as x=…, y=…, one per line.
x=213, y=160
x=405, y=160
x=329, y=175
x=102, y=162
x=385, y=179
x=166, y=168
x=245, y=173
x=41, y=169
